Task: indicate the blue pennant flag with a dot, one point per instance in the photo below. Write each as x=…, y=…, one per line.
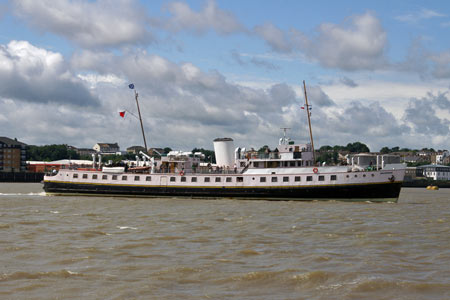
x=131, y=86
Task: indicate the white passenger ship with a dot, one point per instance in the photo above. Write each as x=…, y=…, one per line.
x=288, y=173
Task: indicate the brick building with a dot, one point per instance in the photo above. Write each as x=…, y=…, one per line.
x=12, y=155
x=107, y=148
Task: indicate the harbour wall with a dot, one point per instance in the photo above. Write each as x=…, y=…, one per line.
x=21, y=177
x=421, y=183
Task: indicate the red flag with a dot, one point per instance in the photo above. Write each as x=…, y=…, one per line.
x=122, y=114
x=302, y=107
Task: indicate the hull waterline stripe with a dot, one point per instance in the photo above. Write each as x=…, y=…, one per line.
x=222, y=187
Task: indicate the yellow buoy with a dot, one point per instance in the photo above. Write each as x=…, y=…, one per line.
x=432, y=187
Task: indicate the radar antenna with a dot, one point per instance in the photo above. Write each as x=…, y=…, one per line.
x=285, y=139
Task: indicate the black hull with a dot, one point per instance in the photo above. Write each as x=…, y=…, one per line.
x=373, y=192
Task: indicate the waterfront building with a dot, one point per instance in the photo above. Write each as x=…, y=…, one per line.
x=440, y=157
x=436, y=172
x=48, y=166
x=411, y=173
x=85, y=151
x=107, y=148
x=12, y=155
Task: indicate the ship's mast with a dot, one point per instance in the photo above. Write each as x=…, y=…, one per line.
x=309, y=122
x=140, y=118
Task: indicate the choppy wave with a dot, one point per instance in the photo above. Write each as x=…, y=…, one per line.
x=5, y=226
x=23, y=194
x=38, y=275
x=314, y=277
x=126, y=227
x=371, y=285
x=248, y=252
x=93, y=233
x=105, y=248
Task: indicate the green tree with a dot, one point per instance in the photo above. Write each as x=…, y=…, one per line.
x=339, y=148
x=357, y=147
x=385, y=150
x=263, y=149
x=50, y=153
x=335, y=157
x=130, y=156
x=324, y=157
x=325, y=148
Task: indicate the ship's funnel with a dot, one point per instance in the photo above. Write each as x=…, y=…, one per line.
x=224, y=149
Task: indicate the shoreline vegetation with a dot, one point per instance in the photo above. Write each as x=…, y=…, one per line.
x=331, y=155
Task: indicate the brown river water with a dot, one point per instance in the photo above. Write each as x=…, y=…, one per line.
x=54, y=247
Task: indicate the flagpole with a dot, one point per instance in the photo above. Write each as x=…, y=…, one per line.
x=309, y=123
x=140, y=119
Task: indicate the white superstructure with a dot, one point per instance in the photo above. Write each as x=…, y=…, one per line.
x=224, y=150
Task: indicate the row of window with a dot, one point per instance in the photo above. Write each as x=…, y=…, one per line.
x=114, y=177
x=208, y=179
x=277, y=164
x=298, y=178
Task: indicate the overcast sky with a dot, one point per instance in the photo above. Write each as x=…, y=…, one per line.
x=377, y=72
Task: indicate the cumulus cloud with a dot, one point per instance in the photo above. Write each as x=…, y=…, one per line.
x=441, y=101
x=264, y=64
x=416, y=60
x=368, y=123
x=210, y=17
x=192, y=107
x=359, y=44
x=237, y=58
x=321, y=99
x=422, y=115
x=424, y=62
x=274, y=36
x=103, y=23
x=441, y=64
x=370, y=120
x=254, y=61
x=34, y=74
x=182, y=100
x=180, y=96
x=423, y=14
x=348, y=82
